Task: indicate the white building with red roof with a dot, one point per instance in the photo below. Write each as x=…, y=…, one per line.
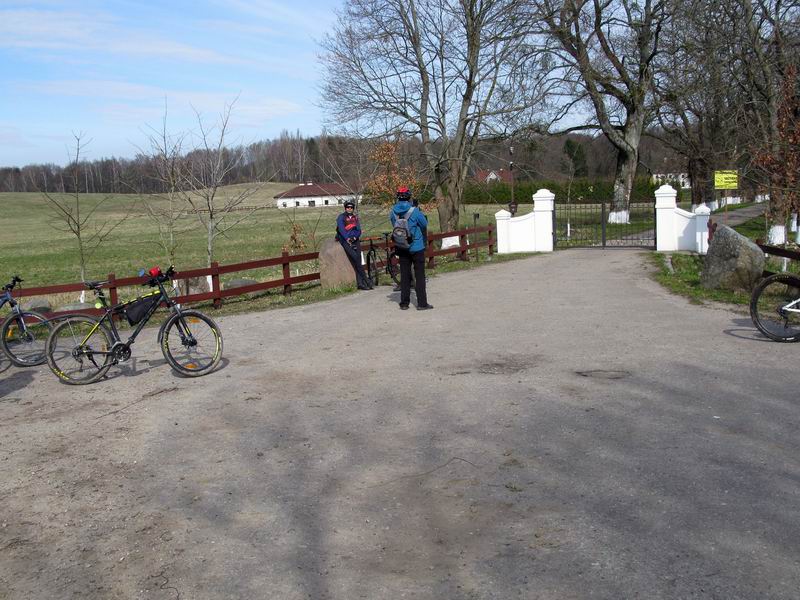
x=307, y=195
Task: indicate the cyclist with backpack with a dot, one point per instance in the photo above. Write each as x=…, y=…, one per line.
x=348, y=232
x=408, y=235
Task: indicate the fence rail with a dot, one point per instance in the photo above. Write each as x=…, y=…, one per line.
x=468, y=240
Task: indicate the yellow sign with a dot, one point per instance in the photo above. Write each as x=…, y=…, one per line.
x=726, y=180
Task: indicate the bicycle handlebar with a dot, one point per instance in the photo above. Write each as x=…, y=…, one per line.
x=14, y=281
x=160, y=277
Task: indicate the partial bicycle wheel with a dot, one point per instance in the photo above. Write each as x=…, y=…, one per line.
x=393, y=267
x=24, y=337
x=372, y=267
x=775, y=307
x=79, y=350
x=191, y=343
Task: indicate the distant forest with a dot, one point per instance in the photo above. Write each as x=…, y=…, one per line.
x=326, y=158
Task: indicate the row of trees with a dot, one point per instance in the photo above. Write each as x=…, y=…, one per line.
x=324, y=159
x=711, y=78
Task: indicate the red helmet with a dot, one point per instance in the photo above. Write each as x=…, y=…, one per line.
x=155, y=271
x=403, y=193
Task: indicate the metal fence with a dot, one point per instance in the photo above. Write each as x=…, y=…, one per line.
x=586, y=225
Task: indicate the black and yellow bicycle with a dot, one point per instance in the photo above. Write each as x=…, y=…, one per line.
x=81, y=349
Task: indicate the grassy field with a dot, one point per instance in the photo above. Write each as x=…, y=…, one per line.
x=31, y=245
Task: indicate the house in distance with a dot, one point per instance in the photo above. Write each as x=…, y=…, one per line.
x=307, y=195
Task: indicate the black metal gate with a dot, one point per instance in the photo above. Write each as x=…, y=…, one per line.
x=578, y=224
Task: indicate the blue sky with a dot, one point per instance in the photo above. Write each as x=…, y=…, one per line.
x=104, y=68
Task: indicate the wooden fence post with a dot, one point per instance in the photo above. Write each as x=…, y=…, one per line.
x=112, y=294
x=462, y=241
x=215, y=287
x=287, y=287
x=431, y=258
x=491, y=242
x=112, y=289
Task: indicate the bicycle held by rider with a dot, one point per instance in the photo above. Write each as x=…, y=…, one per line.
x=389, y=264
x=81, y=349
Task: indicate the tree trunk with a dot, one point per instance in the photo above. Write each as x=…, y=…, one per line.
x=627, y=162
x=623, y=184
x=210, y=241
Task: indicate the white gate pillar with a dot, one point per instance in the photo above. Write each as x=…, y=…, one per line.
x=702, y=214
x=503, y=218
x=543, y=205
x=666, y=231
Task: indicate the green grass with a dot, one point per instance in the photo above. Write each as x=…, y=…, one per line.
x=684, y=279
x=31, y=245
x=732, y=208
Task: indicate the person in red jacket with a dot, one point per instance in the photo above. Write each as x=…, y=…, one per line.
x=348, y=232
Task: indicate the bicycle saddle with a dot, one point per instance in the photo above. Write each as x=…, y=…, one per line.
x=95, y=285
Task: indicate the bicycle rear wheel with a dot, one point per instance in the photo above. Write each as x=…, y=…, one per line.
x=191, y=343
x=372, y=267
x=78, y=350
x=23, y=337
x=393, y=268
x=775, y=307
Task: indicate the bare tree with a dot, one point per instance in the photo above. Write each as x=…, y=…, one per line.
x=443, y=70
x=209, y=167
x=696, y=107
x=609, y=46
x=79, y=217
x=167, y=209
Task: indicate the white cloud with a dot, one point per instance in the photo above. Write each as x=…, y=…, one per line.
x=138, y=103
x=78, y=32
x=305, y=20
x=12, y=137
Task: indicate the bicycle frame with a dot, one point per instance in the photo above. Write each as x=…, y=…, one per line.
x=110, y=311
x=792, y=306
x=388, y=253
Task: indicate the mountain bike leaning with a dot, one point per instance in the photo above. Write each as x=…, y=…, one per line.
x=775, y=307
x=24, y=332
x=81, y=349
x=389, y=264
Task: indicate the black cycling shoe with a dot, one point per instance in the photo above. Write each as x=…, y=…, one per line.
x=426, y=307
x=404, y=307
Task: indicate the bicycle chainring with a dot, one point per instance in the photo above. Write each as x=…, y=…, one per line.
x=120, y=352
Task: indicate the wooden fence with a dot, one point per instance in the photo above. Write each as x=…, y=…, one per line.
x=469, y=239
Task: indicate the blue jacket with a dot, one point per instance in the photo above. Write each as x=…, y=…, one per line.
x=347, y=228
x=417, y=224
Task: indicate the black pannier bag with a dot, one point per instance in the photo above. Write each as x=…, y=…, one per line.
x=137, y=310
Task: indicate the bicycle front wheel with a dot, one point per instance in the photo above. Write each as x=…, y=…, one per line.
x=775, y=307
x=372, y=267
x=191, y=343
x=24, y=336
x=393, y=268
x=78, y=350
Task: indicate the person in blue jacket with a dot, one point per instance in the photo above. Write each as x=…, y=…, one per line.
x=414, y=255
x=348, y=232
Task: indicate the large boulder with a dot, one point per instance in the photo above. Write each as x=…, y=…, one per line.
x=335, y=269
x=195, y=285
x=733, y=262
x=37, y=304
x=75, y=306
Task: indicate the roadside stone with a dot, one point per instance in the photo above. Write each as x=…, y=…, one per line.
x=195, y=285
x=36, y=304
x=335, y=269
x=237, y=283
x=733, y=262
x=75, y=306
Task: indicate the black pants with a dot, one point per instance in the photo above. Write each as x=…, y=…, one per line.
x=418, y=260
x=353, y=252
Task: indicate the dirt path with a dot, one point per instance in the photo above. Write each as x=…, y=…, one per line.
x=558, y=427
